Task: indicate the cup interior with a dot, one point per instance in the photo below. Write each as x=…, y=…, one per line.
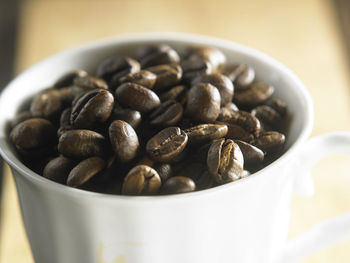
x=42, y=75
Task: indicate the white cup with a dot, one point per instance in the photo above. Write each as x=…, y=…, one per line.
x=244, y=221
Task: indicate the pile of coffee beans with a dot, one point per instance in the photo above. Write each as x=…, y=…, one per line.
x=159, y=123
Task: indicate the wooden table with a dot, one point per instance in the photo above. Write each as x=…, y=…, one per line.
x=304, y=35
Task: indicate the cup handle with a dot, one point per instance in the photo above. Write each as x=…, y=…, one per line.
x=327, y=232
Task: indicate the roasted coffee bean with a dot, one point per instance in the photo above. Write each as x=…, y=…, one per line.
x=203, y=102
x=268, y=115
x=240, y=118
x=178, y=184
x=237, y=132
x=46, y=104
x=176, y=93
x=253, y=95
x=141, y=180
x=92, y=108
x=157, y=54
x=167, y=75
x=205, y=181
x=89, y=82
x=65, y=122
x=166, y=144
x=231, y=106
x=270, y=142
x=221, y=82
x=278, y=105
x=132, y=117
x=225, y=161
x=252, y=155
x=137, y=97
x=242, y=75
x=67, y=79
x=116, y=67
x=63, y=129
x=81, y=144
x=58, y=169
x=193, y=68
x=124, y=140
x=205, y=53
x=143, y=77
x=33, y=134
x=205, y=132
x=20, y=117
x=65, y=117
x=69, y=93
x=85, y=170
x=164, y=170
x=168, y=113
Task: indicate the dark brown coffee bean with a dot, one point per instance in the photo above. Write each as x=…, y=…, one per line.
x=270, y=142
x=67, y=79
x=89, y=82
x=84, y=171
x=231, y=106
x=92, y=108
x=242, y=75
x=237, y=132
x=124, y=140
x=69, y=93
x=132, y=117
x=253, y=95
x=205, y=53
x=166, y=144
x=167, y=75
x=168, y=113
x=33, y=133
x=63, y=129
x=58, y=169
x=221, y=82
x=178, y=184
x=22, y=116
x=193, y=68
x=252, y=155
x=225, y=161
x=141, y=180
x=81, y=144
x=46, y=104
x=205, y=132
x=268, y=115
x=65, y=117
x=203, y=102
x=278, y=105
x=116, y=67
x=240, y=118
x=176, y=93
x=205, y=181
x=156, y=54
x=143, y=77
x=164, y=170
x=137, y=97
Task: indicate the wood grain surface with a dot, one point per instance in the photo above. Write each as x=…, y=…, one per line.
x=304, y=35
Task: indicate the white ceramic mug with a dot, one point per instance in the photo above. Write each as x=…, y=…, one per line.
x=244, y=221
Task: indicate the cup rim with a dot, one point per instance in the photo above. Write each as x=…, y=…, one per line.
x=35, y=178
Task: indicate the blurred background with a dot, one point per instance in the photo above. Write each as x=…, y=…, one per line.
x=312, y=37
